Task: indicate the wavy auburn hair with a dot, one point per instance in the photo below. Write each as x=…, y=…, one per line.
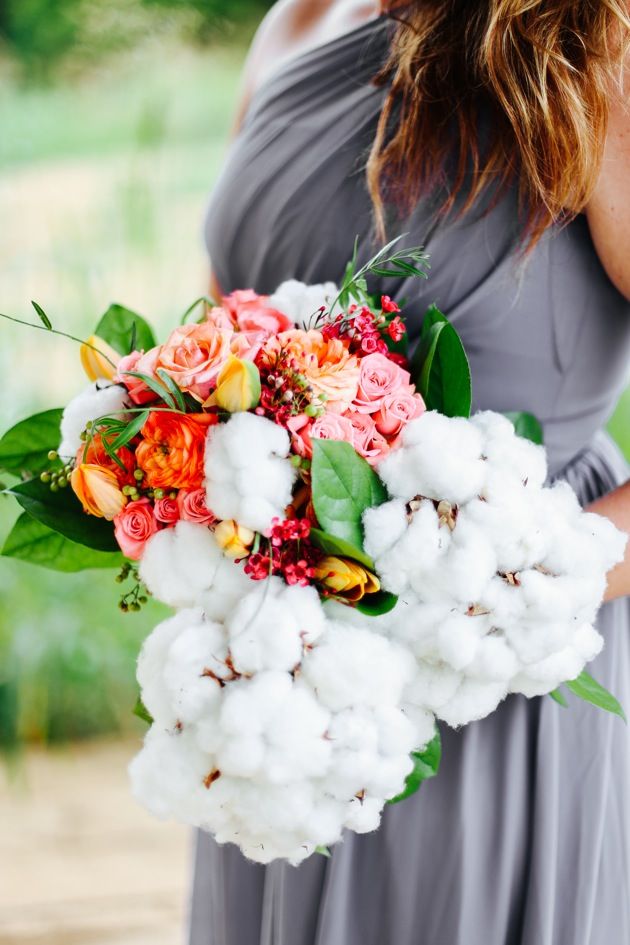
x=540, y=71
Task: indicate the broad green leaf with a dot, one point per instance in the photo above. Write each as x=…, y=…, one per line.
x=426, y=764
x=43, y=317
x=339, y=547
x=116, y=327
x=62, y=512
x=373, y=605
x=30, y=540
x=527, y=426
x=142, y=712
x=344, y=485
x=440, y=368
x=558, y=696
x=588, y=689
x=25, y=447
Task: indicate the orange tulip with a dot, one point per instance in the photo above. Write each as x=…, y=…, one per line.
x=99, y=360
x=98, y=490
x=234, y=539
x=346, y=578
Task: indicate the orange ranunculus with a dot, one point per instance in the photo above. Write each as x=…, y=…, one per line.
x=95, y=454
x=193, y=355
x=98, y=490
x=346, y=578
x=172, y=448
x=326, y=363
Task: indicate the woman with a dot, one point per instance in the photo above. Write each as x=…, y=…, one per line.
x=484, y=132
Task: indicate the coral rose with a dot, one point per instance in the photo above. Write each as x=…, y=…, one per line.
x=172, y=449
x=367, y=441
x=193, y=356
x=133, y=528
x=332, y=426
x=252, y=312
x=166, y=511
x=192, y=507
x=398, y=409
x=379, y=378
x=141, y=363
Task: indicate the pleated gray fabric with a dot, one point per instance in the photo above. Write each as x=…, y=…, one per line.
x=524, y=838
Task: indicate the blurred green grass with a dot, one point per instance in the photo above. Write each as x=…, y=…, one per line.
x=103, y=181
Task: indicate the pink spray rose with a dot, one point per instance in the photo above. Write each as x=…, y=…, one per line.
x=379, y=377
x=166, y=511
x=251, y=312
x=398, y=409
x=333, y=426
x=142, y=363
x=134, y=526
x=300, y=428
x=367, y=440
x=192, y=507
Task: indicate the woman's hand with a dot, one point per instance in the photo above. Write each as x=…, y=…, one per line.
x=616, y=506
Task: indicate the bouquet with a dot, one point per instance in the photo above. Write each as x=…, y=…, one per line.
x=351, y=556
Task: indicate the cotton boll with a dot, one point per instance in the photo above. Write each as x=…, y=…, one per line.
x=241, y=756
x=167, y=775
x=417, y=625
x=196, y=662
x=432, y=686
x=364, y=816
x=301, y=302
x=545, y=676
x=387, y=778
x=588, y=642
x=249, y=704
x=547, y=597
x=383, y=526
x=396, y=732
x=181, y=563
x=534, y=641
x=493, y=426
x=423, y=723
x=417, y=554
x=519, y=539
x=473, y=700
x=349, y=666
x=467, y=568
x=152, y=661
x=296, y=738
x=264, y=635
x=494, y=660
x=323, y=822
x=440, y=459
x=231, y=585
x=354, y=729
x=517, y=458
x=458, y=639
x=101, y=399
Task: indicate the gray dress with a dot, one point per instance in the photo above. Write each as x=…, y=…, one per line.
x=524, y=838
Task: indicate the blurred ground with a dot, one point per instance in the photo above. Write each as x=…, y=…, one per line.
x=80, y=862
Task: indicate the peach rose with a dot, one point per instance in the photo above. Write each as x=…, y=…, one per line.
x=251, y=312
x=172, y=449
x=193, y=355
x=397, y=410
x=379, y=378
x=192, y=507
x=143, y=363
x=133, y=528
x=166, y=511
x=326, y=363
x=366, y=439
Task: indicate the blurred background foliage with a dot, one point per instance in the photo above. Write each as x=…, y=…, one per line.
x=115, y=116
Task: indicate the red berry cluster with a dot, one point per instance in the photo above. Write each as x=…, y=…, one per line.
x=284, y=391
x=365, y=328
x=288, y=552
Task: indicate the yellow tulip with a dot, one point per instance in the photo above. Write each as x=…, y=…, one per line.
x=98, y=490
x=99, y=360
x=234, y=539
x=346, y=578
x=238, y=386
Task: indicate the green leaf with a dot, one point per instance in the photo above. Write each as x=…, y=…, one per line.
x=588, y=689
x=158, y=389
x=119, y=325
x=337, y=546
x=25, y=447
x=43, y=317
x=133, y=427
x=62, y=512
x=30, y=540
x=373, y=605
x=142, y=712
x=527, y=426
x=344, y=485
x=440, y=368
x=558, y=696
x=426, y=764
x=178, y=396
x=323, y=851
x=206, y=300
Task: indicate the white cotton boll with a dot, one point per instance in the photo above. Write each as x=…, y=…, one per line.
x=181, y=563
x=364, y=816
x=414, y=558
x=195, y=664
x=323, y=822
x=545, y=676
x=264, y=635
x=473, y=700
x=587, y=642
x=417, y=625
x=231, y=585
x=300, y=302
x=518, y=537
x=249, y=704
x=241, y=756
x=152, y=661
x=383, y=526
x=506, y=602
x=440, y=459
x=296, y=737
x=466, y=569
x=547, y=597
x=533, y=641
x=349, y=772
x=494, y=660
x=458, y=639
x=432, y=686
x=612, y=541
x=517, y=458
x=349, y=666
x=423, y=722
x=387, y=778
x=493, y=426
x=208, y=733
x=354, y=729
x=101, y=399
x=167, y=775
x=396, y=732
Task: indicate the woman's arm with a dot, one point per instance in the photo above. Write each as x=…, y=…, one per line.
x=616, y=506
x=608, y=213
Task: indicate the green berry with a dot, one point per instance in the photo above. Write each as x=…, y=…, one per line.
x=158, y=493
x=135, y=606
x=119, y=579
x=45, y=477
x=143, y=599
x=53, y=455
x=54, y=487
x=127, y=490
x=62, y=482
x=138, y=474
